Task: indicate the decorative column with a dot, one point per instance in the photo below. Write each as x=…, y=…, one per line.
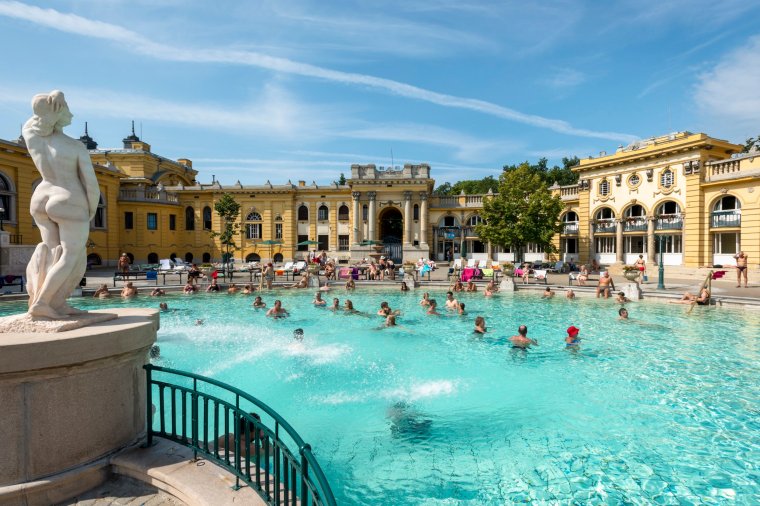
x=650, y=240
x=372, y=218
x=423, y=219
x=407, y=219
x=619, y=241
x=356, y=218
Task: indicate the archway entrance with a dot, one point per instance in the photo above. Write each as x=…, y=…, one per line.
x=391, y=232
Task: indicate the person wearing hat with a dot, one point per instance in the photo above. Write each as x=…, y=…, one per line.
x=521, y=340
x=572, y=338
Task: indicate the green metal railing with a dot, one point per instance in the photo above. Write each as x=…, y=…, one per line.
x=228, y=430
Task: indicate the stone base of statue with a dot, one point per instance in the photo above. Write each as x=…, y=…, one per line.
x=70, y=399
x=507, y=284
x=23, y=323
x=631, y=290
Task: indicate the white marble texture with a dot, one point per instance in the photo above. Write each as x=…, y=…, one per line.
x=62, y=206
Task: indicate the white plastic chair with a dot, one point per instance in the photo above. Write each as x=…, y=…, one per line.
x=165, y=264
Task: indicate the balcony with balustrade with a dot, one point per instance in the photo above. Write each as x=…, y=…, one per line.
x=605, y=226
x=669, y=222
x=726, y=219
x=148, y=195
x=458, y=201
x=570, y=228
x=635, y=224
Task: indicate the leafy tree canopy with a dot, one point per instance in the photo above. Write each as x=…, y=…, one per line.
x=228, y=210
x=524, y=211
x=751, y=141
x=342, y=179
x=549, y=175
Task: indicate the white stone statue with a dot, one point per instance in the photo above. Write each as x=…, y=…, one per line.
x=62, y=206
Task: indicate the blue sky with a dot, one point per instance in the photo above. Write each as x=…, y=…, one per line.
x=278, y=90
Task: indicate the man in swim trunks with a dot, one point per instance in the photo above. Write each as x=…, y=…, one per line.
x=451, y=302
x=277, y=311
x=741, y=268
x=572, y=339
x=605, y=283
x=521, y=340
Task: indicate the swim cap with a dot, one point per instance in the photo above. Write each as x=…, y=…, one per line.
x=572, y=331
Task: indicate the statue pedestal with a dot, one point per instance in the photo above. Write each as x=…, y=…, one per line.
x=631, y=290
x=69, y=400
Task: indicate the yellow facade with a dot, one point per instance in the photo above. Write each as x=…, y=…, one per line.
x=695, y=191
x=693, y=194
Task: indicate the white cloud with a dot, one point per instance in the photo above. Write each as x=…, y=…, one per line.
x=728, y=95
x=274, y=112
x=72, y=23
x=564, y=78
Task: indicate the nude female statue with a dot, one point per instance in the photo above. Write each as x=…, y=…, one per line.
x=62, y=206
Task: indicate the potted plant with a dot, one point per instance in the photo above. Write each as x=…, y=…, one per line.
x=508, y=269
x=631, y=272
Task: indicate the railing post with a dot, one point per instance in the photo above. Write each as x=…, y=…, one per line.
x=194, y=419
x=304, y=473
x=149, y=406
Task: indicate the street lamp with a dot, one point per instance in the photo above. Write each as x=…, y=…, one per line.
x=661, y=269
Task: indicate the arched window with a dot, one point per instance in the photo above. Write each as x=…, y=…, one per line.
x=277, y=258
x=605, y=213
x=448, y=221
x=303, y=213
x=570, y=217
x=131, y=258
x=99, y=220
x=7, y=199
x=604, y=187
x=635, y=211
x=474, y=220
x=206, y=258
x=278, y=227
x=252, y=257
x=323, y=214
x=727, y=203
x=667, y=178
x=668, y=208
x=94, y=259
x=189, y=218
x=253, y=230
x=188, y=257
x=416, y=212
x=343, y=213
x=207, y=218
x=152, y=258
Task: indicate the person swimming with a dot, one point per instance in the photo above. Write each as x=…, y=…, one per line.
x=258, y=303
x=521, y=340
x=572, y=338
x=298, y=334
x=623, y=313
x=480, y=325
x=318, y=300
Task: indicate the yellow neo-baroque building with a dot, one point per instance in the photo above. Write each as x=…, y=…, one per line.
x=694, y=195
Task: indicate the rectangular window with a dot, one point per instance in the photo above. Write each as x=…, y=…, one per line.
x=324, y=243
x=342, y=243
x=322, y=213
x=672, y=244
x=303, y=247
x=172, y=222
x=278, y=230
x=99, y=220
x=152, y=221
x=129, y=220
x=604, y=244
x=533, y=248
x=571, y=245
x=635, y=244
x=725, y=244
x=253, y=231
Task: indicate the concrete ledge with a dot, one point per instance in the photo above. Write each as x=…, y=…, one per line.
x=169, y=467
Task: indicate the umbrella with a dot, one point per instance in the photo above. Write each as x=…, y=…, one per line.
x=307, y=243
x=270, y=243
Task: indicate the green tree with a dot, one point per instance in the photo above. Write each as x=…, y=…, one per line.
x=751, y=141
x=524, y=211
x=228, y=210
x=342, y=179
x=444, y=189
x=562, y=175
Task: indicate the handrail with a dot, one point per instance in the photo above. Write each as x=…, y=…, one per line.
x=281, y=483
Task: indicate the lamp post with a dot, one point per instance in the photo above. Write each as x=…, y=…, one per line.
x=661, y=267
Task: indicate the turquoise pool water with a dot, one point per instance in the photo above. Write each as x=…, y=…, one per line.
x=664, y=408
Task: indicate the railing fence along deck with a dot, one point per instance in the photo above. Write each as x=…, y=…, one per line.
x=210, y=425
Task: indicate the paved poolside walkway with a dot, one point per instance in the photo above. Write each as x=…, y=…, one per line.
x=124, y=491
